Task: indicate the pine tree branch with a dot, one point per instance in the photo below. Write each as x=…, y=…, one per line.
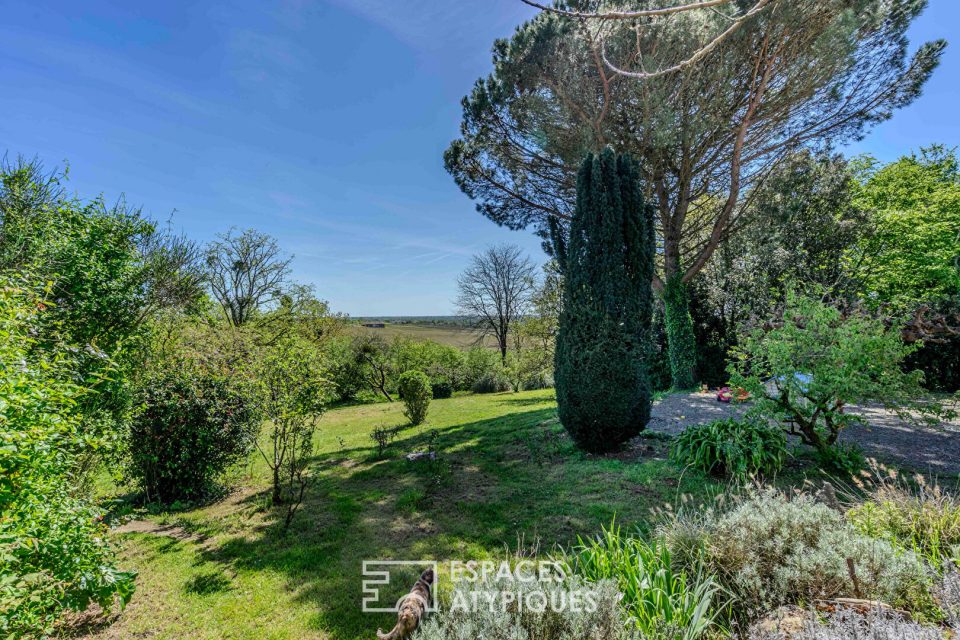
x=627, y=15
x=696, y=57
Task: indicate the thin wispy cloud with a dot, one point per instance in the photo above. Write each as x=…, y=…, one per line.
x=267, y=62
x=96, y=65
x=428, y=26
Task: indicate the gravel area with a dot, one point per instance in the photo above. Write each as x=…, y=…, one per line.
x=886, y=437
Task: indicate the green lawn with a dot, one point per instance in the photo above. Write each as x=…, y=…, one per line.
x=506, y=475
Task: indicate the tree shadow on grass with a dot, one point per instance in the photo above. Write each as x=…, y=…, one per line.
x=208, y=583
x=524, y=402
x=485, y=490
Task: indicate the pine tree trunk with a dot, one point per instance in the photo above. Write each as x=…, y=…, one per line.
x=681, y=341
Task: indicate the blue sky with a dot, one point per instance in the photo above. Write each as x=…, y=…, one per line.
x=320, y=122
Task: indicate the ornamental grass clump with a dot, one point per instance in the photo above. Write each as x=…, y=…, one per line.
x=923, y=518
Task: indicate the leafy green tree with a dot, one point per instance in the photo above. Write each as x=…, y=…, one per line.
x=441, y=362
x=481, y=364
x=110, y=270
x=603, y=393
x=300, y=313
x=796, y=234
x=806, y=372
x=54, y=550
x=535, y=335
x=914, y=256
x=372, y=355
x=347, y=374
x=294, y=393
x=796, y=74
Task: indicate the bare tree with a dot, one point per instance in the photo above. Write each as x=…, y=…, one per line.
x=246, y=272
x=495, y=290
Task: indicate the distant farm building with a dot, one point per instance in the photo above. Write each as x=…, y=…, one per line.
x=374, y=325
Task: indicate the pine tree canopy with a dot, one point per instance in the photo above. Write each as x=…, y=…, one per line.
x=798, y=73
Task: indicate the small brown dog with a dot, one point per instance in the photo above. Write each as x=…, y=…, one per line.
x=411, y=609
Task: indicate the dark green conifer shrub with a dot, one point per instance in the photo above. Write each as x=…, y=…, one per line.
x=603, y=391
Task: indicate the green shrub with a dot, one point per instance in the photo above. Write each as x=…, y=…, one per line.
x=540, y=380
x=925, y=520
x=194, y=421
x=493, y=617
x=770, y=550
x=491, y=382
x=441, y=389
x=54, y=552
x=655, y=595
x=414, y=390
x=438, y=361
x=818, y=361
x=346, y=373
x=603, y=343
x=844, y=456
x=479, y=363
x=736, y=448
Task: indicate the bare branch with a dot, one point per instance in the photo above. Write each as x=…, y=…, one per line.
x=700, y=54
x=628, y=15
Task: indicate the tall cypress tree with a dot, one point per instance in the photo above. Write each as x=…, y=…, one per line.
x=603, y=391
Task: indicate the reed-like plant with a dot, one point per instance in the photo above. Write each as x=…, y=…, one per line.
x=655, y=596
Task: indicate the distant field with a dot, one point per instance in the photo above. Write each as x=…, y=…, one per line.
x=453, y=335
